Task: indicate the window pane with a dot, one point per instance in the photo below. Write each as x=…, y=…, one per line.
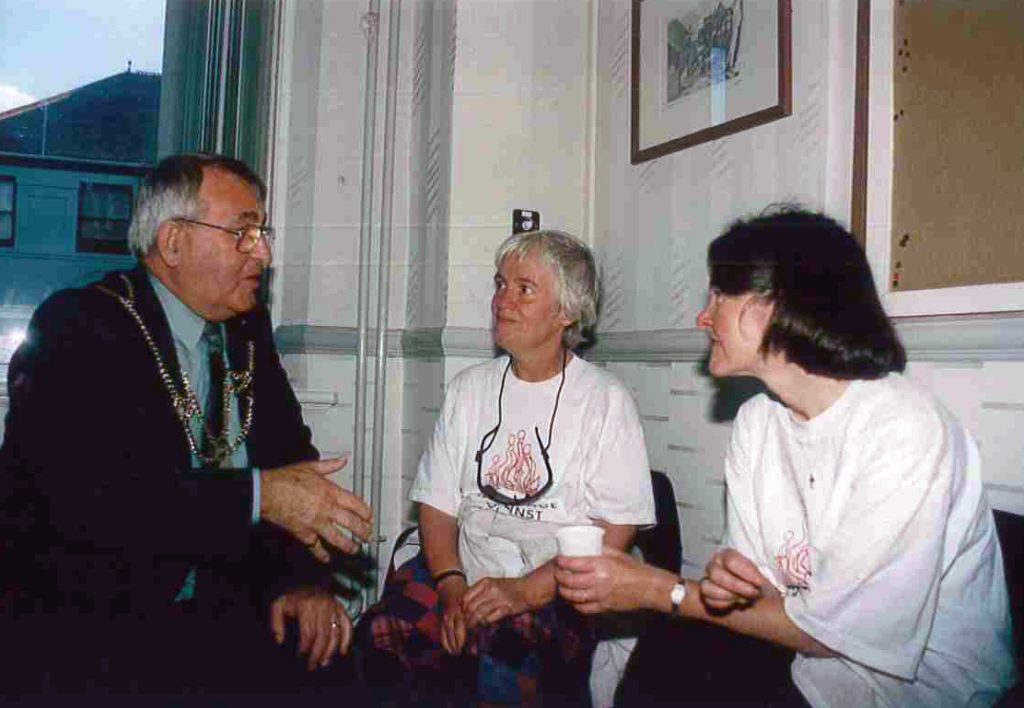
x=6, y=195
x=105, y=230
x=106, y=201
x=6, y=229
x=104, y=212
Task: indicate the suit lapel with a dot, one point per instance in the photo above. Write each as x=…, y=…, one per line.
x=148, y=306
x=150, y=311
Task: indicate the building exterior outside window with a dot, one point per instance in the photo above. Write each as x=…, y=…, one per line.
x=7, y=201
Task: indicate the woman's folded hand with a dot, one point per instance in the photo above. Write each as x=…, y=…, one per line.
x=493, y=599
x=453, y=621
x=732, y=581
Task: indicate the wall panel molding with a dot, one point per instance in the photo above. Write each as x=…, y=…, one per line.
x=977, y=338
x=424, y=343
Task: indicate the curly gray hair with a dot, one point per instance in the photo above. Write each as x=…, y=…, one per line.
x=575, y=272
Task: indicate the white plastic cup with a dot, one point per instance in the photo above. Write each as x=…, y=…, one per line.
x=580, y=540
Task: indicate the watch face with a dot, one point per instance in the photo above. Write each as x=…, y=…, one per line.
x=678, y=593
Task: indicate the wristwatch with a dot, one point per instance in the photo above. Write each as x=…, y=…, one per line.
x=678, y=595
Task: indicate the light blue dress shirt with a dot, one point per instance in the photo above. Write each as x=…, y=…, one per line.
x=193, y=359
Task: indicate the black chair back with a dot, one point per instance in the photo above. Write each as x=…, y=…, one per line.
x=662, y=544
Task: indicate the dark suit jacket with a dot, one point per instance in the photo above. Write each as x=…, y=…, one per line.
x=99, y=503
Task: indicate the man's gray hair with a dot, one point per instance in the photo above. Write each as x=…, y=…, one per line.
x=575, y=272
x=171, y=191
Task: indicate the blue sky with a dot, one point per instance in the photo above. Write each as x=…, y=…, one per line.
x=50, y=46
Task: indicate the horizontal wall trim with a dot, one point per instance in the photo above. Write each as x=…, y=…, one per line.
x=995, y=337
x=943, y=339
x=424, y=343
x=649, y=346
x=319, y=399
x=952, y=339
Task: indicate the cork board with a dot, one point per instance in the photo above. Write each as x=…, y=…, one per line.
x=958, y=144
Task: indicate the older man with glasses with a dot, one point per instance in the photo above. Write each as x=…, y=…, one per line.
x=168, y=514
x=526, y=444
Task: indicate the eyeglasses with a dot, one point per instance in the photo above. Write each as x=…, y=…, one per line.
x=489, y=490
x=246, y=237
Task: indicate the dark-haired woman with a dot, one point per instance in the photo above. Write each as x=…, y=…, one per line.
x=858, y=533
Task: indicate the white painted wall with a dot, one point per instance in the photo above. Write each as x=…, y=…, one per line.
x=538, y=105
x=316, y=205
x=519, y=127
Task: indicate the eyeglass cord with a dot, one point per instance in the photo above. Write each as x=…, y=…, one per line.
x=493, y=432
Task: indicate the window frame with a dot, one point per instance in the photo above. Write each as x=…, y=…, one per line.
x=85, y=244
x=9, y=242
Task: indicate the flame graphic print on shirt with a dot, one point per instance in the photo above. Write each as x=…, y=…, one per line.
x=517, y=472
x=793, y=560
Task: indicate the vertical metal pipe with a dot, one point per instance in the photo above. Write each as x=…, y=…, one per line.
x=383, y=277
x=590, y=177
x=205, y=138
x=223, y=71
x=240, y=69
x=371, y=24
x=269, y=147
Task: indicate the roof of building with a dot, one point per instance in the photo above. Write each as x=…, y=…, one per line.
x=110, y=120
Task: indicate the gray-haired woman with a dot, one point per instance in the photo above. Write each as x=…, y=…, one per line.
x=525, y=444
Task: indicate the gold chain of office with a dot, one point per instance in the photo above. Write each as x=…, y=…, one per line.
x=186, y=404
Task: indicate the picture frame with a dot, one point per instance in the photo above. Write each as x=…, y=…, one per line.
x=873, y=200
x=705, y=69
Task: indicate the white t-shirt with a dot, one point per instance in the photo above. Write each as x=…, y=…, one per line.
x=597, y=456
x=871, y=517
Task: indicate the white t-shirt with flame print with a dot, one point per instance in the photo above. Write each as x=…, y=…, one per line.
x=598, y=462
x=872, y=520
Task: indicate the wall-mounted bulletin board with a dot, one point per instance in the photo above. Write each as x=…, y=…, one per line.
x=945, y=172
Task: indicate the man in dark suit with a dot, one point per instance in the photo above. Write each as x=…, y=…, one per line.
x=163, y=506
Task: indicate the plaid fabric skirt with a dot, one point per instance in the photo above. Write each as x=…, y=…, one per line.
x=532, y=658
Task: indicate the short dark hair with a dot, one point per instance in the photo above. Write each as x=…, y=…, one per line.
x=171, y=190
x=827, y=316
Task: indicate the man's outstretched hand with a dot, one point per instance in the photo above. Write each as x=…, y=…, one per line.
x=300, y=499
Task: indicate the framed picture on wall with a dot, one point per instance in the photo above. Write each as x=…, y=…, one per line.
x=704, y=69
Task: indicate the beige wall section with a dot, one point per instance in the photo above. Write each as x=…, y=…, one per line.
x=519, y=122
x=319, y=162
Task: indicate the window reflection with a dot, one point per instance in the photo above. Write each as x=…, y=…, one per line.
x=104, y=212
x=7, y=187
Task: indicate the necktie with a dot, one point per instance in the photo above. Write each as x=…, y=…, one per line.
x=214, y=412
x=213, y=417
